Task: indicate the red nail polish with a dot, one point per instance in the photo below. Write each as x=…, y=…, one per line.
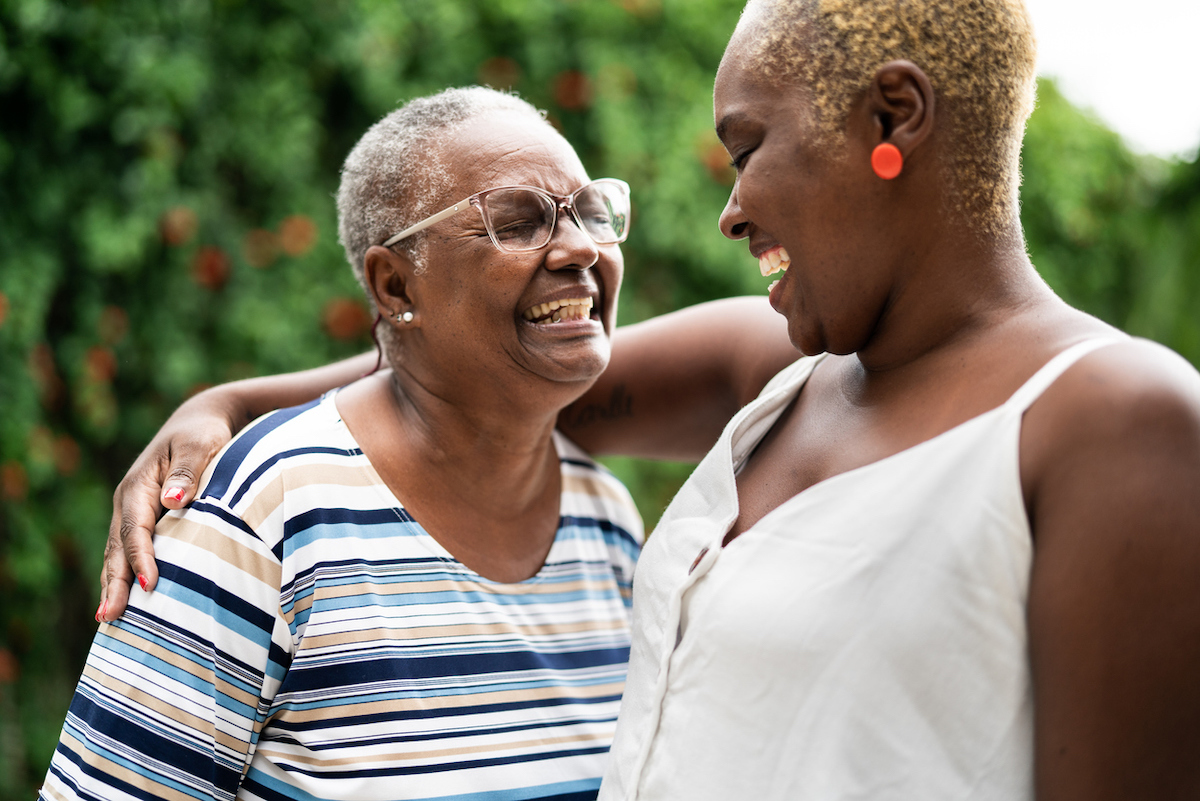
x=142, y=582
x=99, y=609
x=174, y=494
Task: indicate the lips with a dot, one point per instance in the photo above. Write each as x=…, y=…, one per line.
x=773, y=260
x=557, y=311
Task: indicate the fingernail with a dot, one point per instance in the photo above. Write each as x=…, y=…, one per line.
x=142, y=582
x=174, y=494
x=99, y=609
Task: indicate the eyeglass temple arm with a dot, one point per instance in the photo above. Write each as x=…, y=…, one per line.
x=428, y=221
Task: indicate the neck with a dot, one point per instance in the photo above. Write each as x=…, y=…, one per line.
x=486, y=449
x=959, y=284
x=482, y=479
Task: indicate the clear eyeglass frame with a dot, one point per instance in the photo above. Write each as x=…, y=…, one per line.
x=558, y=203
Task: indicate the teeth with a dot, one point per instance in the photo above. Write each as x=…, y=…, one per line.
x=773, y=261
x=771, y=286
x=559, y=310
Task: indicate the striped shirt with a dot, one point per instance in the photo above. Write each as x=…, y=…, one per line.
x=308, y=639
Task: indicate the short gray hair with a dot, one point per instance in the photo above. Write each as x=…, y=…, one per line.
x=395, y=174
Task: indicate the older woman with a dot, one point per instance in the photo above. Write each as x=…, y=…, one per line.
x=413, y=587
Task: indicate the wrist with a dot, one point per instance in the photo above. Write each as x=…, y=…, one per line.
x=225, y=402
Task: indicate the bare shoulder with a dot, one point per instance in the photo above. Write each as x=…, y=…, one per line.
x=1113, y=446
x=1134, y=399
x=1110, y=465
x=1136, y=370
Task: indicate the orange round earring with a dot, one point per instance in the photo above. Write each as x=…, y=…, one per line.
x=886, y=161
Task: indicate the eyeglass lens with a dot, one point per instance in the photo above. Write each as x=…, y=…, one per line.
x=524, y=220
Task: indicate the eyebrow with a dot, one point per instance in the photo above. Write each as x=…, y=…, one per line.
x=726, y=122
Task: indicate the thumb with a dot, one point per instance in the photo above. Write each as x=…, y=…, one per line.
x=179, y=487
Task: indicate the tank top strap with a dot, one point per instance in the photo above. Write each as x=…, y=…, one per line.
x=1032, y=389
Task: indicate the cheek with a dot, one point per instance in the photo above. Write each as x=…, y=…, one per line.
x=500, y=283
x=612, y=290
x=613, y=275
x=766, y=202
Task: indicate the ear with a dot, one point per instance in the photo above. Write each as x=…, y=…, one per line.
x=900, y=103
x=390, y=280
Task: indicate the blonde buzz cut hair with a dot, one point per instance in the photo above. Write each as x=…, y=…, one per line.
x=979, y=56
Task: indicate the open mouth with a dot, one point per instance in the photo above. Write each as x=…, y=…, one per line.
x=559, y=311
x=773, y=261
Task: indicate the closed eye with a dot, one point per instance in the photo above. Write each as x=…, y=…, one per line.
x=739, y=161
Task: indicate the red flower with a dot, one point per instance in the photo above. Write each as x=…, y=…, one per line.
x=10, y=669
x=178, y=225
x=346, y=319
x=100, y=364
x=66, y=455
x=297, y=235
x=716, y=161
x=14, y=483
x=45, y=375
x=573, y=90
x=499, y=73
x=259, y=247
x=210, y=267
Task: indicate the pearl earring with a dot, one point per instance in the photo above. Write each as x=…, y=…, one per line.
x=406, y=317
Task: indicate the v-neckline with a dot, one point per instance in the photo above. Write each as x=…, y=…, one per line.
x=432, y=543
x=772, y=417
x=885, y=461
x=767, y=423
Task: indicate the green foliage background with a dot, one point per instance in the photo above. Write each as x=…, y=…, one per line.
x=166, y=222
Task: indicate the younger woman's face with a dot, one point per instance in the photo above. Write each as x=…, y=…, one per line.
x=817, y=202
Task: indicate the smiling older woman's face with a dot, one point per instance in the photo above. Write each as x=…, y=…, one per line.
x=488, y=313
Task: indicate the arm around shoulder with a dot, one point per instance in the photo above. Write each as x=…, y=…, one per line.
x=674, y=381
x=1111, y=467
x=167, y=472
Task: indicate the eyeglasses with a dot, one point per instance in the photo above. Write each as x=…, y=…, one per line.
x=522, y=218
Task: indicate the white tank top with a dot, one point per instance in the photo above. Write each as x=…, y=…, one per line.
x=865, y=640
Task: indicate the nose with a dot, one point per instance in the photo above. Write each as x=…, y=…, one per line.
x=732, y=222
x=570, y=248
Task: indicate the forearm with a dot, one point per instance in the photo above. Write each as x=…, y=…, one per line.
x=168, y=471
x=249, y=398
x=674, y=381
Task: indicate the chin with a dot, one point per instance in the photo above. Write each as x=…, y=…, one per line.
x=805, y=338
x=812, y=339
x=589, y=368
x=582, y=365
